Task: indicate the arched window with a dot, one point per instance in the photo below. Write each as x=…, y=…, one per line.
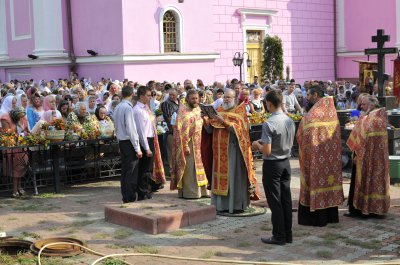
x=171, y=30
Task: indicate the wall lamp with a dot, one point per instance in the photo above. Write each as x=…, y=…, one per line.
x=91, y=52
x=33, y=57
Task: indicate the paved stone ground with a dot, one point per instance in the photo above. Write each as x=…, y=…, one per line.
x=79, y=212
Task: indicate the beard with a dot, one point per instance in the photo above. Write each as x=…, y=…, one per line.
x=228, y=106
x=193, y=105
x=309, y=106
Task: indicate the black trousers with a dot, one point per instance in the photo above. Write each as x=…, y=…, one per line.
x=129, y=171
x=276, y=182
x=146, y=166
x=351, y=191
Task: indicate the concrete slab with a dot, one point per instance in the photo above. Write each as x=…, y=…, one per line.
x=160, y=214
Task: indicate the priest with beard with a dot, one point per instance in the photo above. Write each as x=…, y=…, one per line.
x=188, y=175
x=233, y=183
x=319, y=139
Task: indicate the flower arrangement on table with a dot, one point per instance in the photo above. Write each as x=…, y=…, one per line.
x=55, y=130
x=295, y=117
x=88, y=130
x=257, y=118
x=8, y=138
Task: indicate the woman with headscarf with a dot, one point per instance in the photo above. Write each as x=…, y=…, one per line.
x=106, y=125
x=80, y=120
x=35, y=111
x=91, y=104
x=50, y=109
x=15, y=162
x=22, y=100
x=9, y=102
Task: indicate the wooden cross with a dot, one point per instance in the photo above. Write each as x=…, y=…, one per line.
x=380, y=51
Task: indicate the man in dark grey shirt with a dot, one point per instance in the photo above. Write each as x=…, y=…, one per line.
x=276, y=144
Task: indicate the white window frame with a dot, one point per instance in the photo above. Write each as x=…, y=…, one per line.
x=179, y=27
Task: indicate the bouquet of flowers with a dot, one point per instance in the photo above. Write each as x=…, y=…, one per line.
x=158, y=112
x=8, y=138
x=257, y=118
x=295, y=117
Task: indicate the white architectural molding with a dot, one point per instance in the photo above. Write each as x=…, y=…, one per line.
x=353, y=54
x=244, y=12
x=180, y=33
x=264, y=31
x=398, y=23
x=14, y=36
x=23, y=63
x=113, y=59
x=141, y=58
x=341, y=38
x=47, y=18
x=3, y=32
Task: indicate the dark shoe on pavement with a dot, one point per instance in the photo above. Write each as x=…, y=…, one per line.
x=272, y=241
x=289, y=240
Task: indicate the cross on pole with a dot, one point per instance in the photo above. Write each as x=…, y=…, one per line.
x=380, y=51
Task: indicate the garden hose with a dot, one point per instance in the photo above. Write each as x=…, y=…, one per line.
x=104, y=256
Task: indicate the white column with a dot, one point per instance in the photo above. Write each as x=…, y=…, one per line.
x=341, y=40
x=47, y=21
x=398, y=23
x=3, y=32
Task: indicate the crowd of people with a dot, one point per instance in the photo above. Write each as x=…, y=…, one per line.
x=208, y=152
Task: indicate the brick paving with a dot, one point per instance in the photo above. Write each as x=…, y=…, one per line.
x=79, y=212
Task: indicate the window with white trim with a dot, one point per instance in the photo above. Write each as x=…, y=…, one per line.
x=171, y=31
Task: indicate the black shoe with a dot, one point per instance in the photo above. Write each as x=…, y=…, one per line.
x=289, y=240
x=355, y=215
x=272, y=241
x=132, y=199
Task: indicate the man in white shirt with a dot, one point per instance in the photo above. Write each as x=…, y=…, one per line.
x=129, y=146
x=145, y=129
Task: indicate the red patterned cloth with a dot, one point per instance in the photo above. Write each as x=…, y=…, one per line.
x=369, y=141
x=188, y=128
x=237, y=118
x=320, y=157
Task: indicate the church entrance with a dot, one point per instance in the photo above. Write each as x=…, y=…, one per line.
x=254, y=49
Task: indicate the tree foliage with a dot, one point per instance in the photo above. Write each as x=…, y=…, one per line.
x=272, y=67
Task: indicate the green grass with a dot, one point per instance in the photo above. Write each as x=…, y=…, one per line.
x=373, y=244
x=301, y=233
x=28, y=207
x=49, y=195
x=25, y=234
x=82, y=215
x=123, y=206
x=100, y=236
x=210, y=253
x=243, y=244
x=112, y=261
x=79, y=224
x=122, y=234
x=332, y=236
x=312, y=242
x=265, y=228
x=83, y=202
x=325, y=254
x=179, y=233
x=146, y=249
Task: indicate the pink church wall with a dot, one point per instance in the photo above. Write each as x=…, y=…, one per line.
x=97, y=25
x=306, y=30
x=362, y=19
x=37, y=73
x=23, y=25
x=97, y=71
x=141, y=25
x=172, y=72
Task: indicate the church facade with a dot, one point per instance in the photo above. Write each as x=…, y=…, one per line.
x=177, y=39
